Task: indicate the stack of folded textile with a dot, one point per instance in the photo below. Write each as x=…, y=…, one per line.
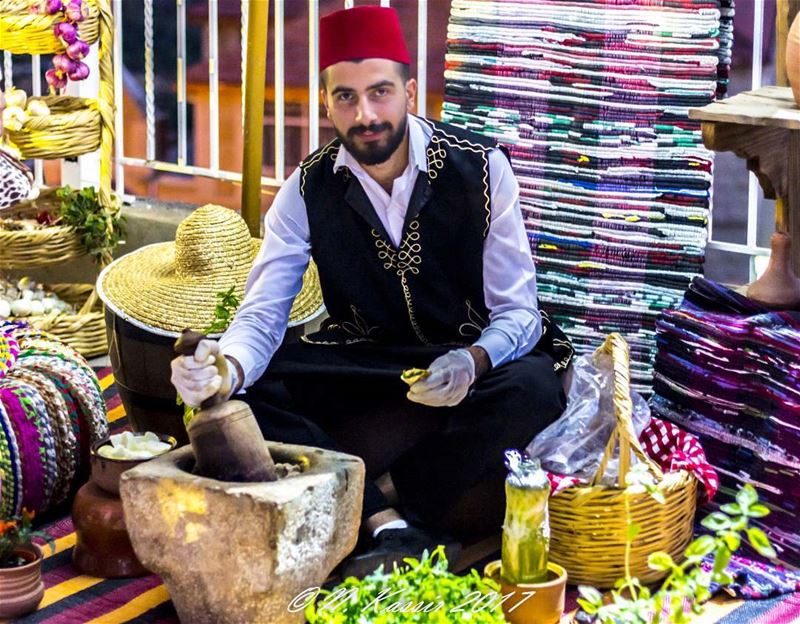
x=51, y=411
x=591, y=97
x=728, y=370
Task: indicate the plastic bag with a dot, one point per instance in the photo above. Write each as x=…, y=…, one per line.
x=574, y=444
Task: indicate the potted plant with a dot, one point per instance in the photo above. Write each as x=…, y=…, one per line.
x=21, y=587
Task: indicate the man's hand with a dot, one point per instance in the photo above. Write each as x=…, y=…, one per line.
x=451, y=376
x=196, y=377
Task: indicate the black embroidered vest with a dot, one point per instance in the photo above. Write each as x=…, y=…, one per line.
x=429, y=290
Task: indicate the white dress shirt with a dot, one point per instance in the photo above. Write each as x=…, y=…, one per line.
x=509, y=276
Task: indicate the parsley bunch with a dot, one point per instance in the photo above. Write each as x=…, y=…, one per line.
x=420, y=591
x=101, y=228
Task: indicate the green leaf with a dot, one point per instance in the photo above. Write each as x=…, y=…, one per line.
x=758, y=511
x=716, y=521
x=732, y=509
x=747, y=496
x=722, y=557
x=759, y=540
x=732, y=540
x=591, y=594
x=723, y=578
x=660, y=561
x=633, y=531
x=700, y=547
x=587, y=606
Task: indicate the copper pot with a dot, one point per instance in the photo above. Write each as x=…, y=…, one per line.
x=102, y=546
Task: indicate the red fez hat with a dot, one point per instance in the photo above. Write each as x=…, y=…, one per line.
x=360, y=33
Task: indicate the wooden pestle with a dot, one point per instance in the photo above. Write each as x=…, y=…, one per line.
x=227, y=442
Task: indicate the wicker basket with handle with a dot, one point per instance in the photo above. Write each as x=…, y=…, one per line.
x=589, y=524
x=26, y=30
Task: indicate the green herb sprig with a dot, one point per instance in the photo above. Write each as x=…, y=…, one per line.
x=422, y=590
x=223, y=315
x=101, y=228
x=688, y=582
x=224, y=311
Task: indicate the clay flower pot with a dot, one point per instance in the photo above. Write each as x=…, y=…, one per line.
x=21, y=588
x=533, y=603
x=793, y=58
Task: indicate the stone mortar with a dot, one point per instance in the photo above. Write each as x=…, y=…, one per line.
x=240, y=552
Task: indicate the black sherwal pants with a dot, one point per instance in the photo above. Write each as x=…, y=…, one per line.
x=446, y=463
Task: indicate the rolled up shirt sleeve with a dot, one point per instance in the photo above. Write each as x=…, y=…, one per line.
x=509, y=275
x=260, y=322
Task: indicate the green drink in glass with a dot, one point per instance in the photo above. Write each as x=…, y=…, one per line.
x=526, y=530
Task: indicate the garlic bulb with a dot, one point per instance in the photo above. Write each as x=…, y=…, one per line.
x=5, y=309
x=16, y=97
x=14, y=118
x=36, y=307
x=21, y=307
x=38, y=108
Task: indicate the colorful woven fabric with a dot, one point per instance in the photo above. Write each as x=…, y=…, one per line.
x=71, y=598
x=9, y=350
x=728, y=370
x=591, y=99
x=51, y=410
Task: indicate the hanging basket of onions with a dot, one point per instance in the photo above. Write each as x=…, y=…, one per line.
x=47, y=26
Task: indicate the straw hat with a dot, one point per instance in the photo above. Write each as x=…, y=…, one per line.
x=167, y=287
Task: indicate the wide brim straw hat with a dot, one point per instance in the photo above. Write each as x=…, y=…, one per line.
x=168, y=287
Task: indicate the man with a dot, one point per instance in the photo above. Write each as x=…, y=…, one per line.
x=423, y=260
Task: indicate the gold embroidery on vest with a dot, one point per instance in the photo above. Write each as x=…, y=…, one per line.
x=405, y=260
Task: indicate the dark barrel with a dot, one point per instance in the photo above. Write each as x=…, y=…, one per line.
x=140, y=360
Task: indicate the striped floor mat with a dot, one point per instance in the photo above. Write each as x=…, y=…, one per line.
x=73, y=598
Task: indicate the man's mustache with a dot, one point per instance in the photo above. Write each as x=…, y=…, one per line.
x=371, y=128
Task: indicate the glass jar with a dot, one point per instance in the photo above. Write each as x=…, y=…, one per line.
x=526, y=530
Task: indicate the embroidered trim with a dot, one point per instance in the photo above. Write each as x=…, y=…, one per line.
x=437, y=154
x=564, y=363
x=308, y=340
x=314, y=159
x=475, y=325
x=406, y=259
x=359, y=327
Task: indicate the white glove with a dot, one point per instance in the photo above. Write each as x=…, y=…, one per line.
x=451, y=376
x=197, y=377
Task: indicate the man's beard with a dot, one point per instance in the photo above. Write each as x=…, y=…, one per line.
x=374, y=152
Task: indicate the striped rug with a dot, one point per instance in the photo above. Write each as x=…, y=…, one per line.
x=73, y=598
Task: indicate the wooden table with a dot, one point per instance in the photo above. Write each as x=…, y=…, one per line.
x=762, y=126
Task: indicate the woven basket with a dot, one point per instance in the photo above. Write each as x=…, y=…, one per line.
x=50, y=245
x=25, y=32
x=589, y=524
x=85, y=331
x=72, y=128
